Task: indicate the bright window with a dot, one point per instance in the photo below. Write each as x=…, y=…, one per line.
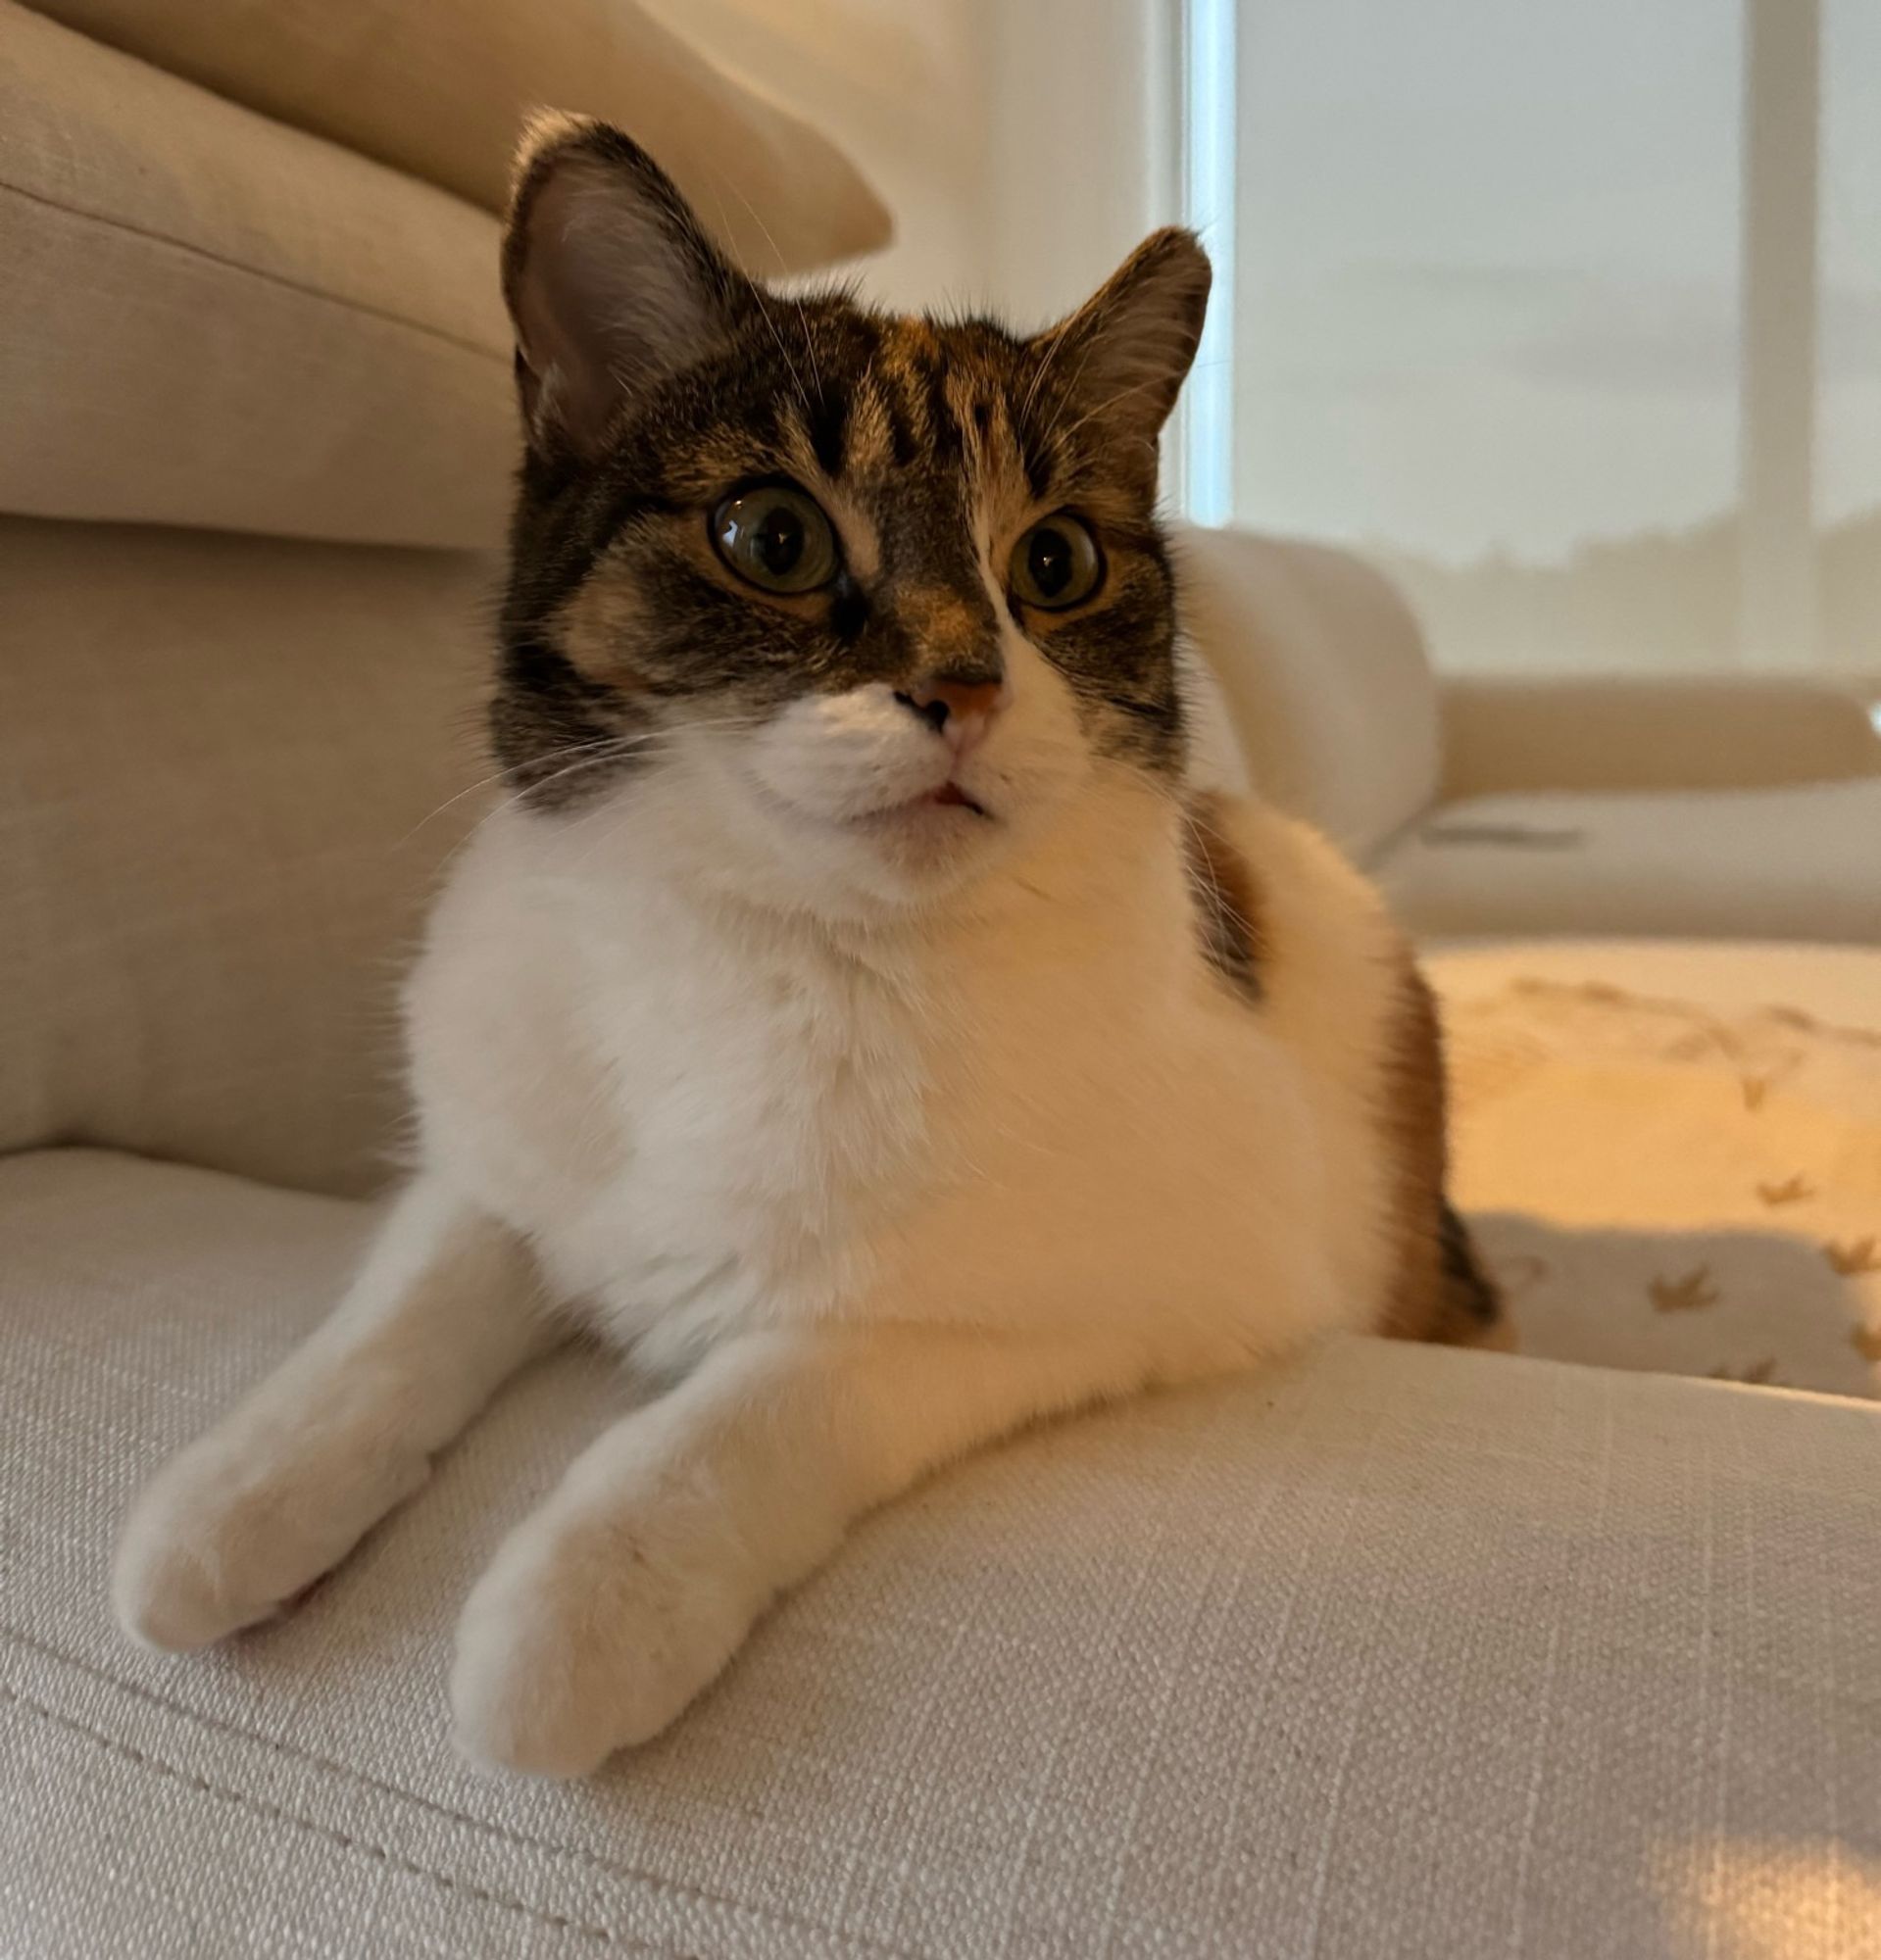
x=1522, y=301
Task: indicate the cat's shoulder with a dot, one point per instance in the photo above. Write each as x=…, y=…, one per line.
x=1264, y=858
x=1276, y=901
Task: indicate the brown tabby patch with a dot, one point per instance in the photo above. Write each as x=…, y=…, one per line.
x=1226, y=902
x=1442, y=1292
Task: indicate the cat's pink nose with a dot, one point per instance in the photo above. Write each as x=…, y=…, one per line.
x=959, y=709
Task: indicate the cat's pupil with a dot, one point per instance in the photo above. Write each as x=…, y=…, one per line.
x=1048, y=560
x=779, y=540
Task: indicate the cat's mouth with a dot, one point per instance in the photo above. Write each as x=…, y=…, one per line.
x=942, y=807
x=948, y=797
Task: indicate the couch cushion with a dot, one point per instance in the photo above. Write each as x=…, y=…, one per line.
x=440, y=87
x=229, y=772
x=210, y=320
x=1798, y=864
x=1325, y=678
x=1646, y=731
x=1399, y=1650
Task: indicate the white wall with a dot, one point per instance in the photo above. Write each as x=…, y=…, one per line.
x=1018, y=142
x=902, y=89
x=1082, y=150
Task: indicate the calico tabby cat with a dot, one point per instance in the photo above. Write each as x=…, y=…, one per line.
x=850, y=1015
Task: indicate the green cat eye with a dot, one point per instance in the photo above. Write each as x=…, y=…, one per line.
x=1057, y=563
x=776, y=538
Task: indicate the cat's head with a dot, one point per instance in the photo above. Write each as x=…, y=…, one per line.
x=852, y=604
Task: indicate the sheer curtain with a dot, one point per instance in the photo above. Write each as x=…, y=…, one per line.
x=1569, y=313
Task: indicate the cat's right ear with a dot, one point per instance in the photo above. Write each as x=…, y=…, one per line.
x=611, y=280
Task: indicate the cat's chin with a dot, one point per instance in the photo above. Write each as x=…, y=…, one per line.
x=922, y=845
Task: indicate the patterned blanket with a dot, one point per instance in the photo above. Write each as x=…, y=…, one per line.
x=1659, y=1187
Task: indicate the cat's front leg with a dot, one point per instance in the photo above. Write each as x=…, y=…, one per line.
x=609, y=1608
x=284, y=1486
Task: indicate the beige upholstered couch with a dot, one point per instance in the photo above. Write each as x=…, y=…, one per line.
x=1397, y=1651
x=1729, y=807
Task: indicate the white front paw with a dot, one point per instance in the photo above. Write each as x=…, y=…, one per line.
x=232, y=1530
x=581, y=1640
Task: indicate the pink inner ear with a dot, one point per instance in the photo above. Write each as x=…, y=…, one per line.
x=1137, y=335
x=606, y=297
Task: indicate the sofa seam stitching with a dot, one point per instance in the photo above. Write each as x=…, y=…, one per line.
x=281, y=279
x=484, y=1827
x=603, y=1935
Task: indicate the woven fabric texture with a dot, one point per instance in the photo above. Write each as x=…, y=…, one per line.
x=439, y=88
x=1396, y=1652
x=214, y=321
x=231, y=770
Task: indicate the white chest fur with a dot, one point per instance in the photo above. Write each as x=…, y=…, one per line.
x=1044, y=1111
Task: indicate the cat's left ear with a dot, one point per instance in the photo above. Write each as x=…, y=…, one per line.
x=1127, y=349
x=611, y=280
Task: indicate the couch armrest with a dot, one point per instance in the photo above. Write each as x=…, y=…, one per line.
x=1722, y=732
x=1325, y=679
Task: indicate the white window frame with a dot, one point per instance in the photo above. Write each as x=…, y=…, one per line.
x=1209, y=107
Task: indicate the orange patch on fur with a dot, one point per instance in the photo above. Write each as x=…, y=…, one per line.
x=599, y=618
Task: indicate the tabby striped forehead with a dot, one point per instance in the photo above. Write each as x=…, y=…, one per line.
x=930, y=393
x=836, y=396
